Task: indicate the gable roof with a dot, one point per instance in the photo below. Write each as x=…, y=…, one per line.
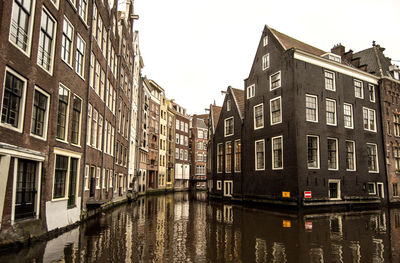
x=215, y=112
x=375, y=60
x=238, y=96
x=288, y=42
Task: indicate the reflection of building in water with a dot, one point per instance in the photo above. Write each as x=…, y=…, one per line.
x=228, y=214
x=66, y=244
x=181, y=220
x=336, y=253
x=198, y=226
x=278, y=252
x=395, y=234
x=316, y=255
x=355, y=251
x=377, y=255
x=160, y=230
x=261, y=250
x=336, y=228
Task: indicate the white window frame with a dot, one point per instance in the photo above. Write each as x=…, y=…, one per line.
x=219, y=185
x=337, y=154
x=318, y=152
x=26, y=52
x=255, y=155
x=226, y=183
x=66, y=115
x=89, y=124
x=21, y=116
x=369, y=126
x=337, y=181
x=265, y=62
x=85, y=11
x=46, y=115
x=233, y=127
x=333, y=80
x=354, y=156
x=226, y=157
x=86, y=181
x=262, y=116
x=80, y=121
x=69, y=61
x=51, y=67
x=280, y=110
x=335, y=112
x=234, y=155
x=316, y=107
x=82, y=73
x=228, y=105
x=371, y=87
x=351, y=115
x=265, y=40
x=374, y=192
x=377, y=158
x=272, y=152
x=361, y=86
x=251, y=91
x=221, y=170
x=270, y=80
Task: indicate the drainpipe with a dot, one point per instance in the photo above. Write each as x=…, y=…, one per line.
x=116, y=113
x=87, y=110
x=106, y=87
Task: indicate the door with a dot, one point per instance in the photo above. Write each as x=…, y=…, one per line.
x=26, y=189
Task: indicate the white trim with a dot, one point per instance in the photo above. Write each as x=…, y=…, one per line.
x=374, y=192
x=383, y=189
x=53, y=44
x=233, y=124
x=72, y=42
x=337, y=181
x=65, y=140
x=262, y=116
x=270, y=80
x=30, y=30
x=354, y=156
x=79, y=37
x=251, y=91
x=318, y=152
x=255, y=155
x=316, y=107
x=337, y=153
x=266, y=64
x=335, y=66
x=352, y=115
x=219, y=185
x=326, y=105
x=265, y=40
x=333, y=80
x=377, y=159
x=21, y=115
x=228, y=182
x=280, y=110
x=236, y=103
x=226, y=155
x=46, y=118
x=272, y=152
x=368, y=119
x=362, y=88
x=373, y=91
x=234, y=155
x=222, y=168
x=80, y=122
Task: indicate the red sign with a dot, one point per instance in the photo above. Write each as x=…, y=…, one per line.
x=308, y=225
x=307, y=194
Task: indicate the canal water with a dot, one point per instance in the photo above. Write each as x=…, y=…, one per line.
x=185, y=227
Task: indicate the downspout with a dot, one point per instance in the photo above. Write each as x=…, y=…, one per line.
x=106, y=87
x=87, y=110
x=116, y=114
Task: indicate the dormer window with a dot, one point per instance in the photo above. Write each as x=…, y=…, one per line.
x=332, y=57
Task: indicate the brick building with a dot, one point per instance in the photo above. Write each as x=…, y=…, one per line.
x=198, y=150
x=214, y=112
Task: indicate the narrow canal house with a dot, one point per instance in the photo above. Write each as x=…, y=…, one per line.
x=43, y=68
x=198, y=151
x=227, y=145
x=214, y=112
x=375, y=62
x=162, y=166
x=154, y=136
x=182, y=162
x=312, y=128
x=170, y=147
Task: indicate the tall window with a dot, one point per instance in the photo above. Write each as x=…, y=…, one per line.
x=330, y=112
x=395, y=190
x=311, y=108
x=39, y=113
x=358, y=89
x=369, y=119
x=14, y=90
x=220, y=156
x=89, y=125
x=80, y=56
x=334, y=189
x=82, y=9
x=276, y=112
x=332, y=154
x=396, y=155
x=258, y=116
x=228, y=157
x=277, y=152
x=265, y=41
x=229, y=126
x=251, y=90
x=94, y=128
x=330, y=81
x=260, y=155
x=228, y=105
x=238, y=156
x=63, y=102
x=73, y=174
x=350, y=156
x=46, y=41
x=66, y=42
x=348, y=115
x=371, y=90
x=372, y=157
x=60, y=176
x=396, y=124
x=20, y=28
x=265, y=61
x=312, y=152
x=275, y=81
x=76, y=120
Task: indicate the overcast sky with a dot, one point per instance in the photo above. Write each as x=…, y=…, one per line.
x=196, y=48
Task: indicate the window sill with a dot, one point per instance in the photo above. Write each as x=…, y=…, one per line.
x=59, y=199
x=62, y=141
x=5, y=125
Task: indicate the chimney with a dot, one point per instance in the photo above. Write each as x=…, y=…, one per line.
x=338, y=50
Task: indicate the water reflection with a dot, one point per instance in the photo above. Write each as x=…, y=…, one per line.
x=183, y=228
